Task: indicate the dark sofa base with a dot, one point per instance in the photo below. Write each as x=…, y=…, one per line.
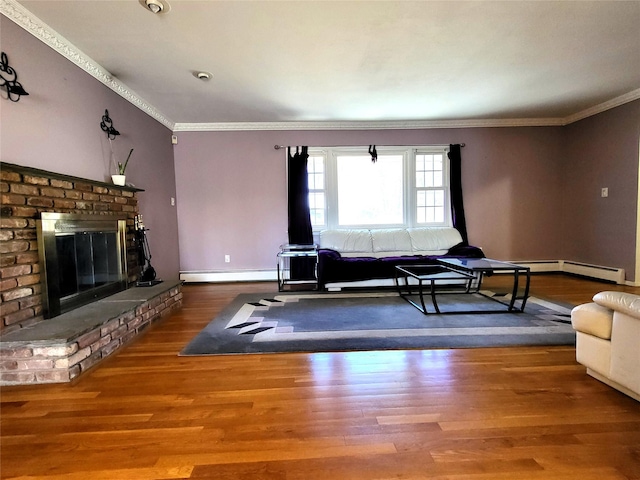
x=334, y=268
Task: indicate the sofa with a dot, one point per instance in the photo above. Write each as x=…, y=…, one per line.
x=367, y=257
x=608, y=339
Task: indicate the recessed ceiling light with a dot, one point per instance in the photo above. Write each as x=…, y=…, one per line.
x=203, y=75
x=156, y=6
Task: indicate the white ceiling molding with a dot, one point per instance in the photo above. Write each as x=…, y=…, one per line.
x=27, y=20
x=412, y=125
x=614, y=102
x=32, y=24
x=387, y=125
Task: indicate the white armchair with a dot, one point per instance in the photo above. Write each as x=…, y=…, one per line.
x=608, y=340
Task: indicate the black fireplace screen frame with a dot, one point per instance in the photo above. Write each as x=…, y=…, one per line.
x=83, y=258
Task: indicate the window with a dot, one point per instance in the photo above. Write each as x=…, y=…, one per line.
x=369, y=193
x=316, y=176
x=430, y=192
x=407, y=186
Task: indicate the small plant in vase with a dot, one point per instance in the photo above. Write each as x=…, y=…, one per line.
x=119, y=178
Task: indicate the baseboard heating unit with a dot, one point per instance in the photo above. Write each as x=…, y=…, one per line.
x=230, y=276
x=609, y=274
x=595, y=271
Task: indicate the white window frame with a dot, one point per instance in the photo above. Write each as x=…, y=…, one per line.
x=446, y=187
x=408, y=153
x=313, y=188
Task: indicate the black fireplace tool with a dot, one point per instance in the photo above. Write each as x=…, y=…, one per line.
x=148, y=277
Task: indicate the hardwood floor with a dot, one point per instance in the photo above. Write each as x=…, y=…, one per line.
x=499, y=413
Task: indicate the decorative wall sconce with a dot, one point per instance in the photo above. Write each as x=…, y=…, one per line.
x=9, y=80
x=107, y=126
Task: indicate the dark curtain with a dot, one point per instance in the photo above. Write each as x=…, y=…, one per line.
x=457, y=204
x=300, y=230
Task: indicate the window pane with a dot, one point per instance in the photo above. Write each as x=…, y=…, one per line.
x=317, y=218
x=317, y=208
x=315, y=164
x=429, y=170
x=430, y=206
x=315, y=172
x=429, y=179
x=370, y=193
x=316, y=181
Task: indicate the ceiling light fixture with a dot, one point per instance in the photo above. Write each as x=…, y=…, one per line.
x=156, y=6
x=202, y=75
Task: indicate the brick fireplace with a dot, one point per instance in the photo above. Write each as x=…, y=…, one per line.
x=26, y=193
x=38, y=350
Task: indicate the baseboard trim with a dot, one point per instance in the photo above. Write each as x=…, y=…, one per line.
x=609, y=274
x=237, y=276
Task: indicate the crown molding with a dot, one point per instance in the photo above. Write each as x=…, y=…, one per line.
x=27, y=20
x=36, y=27
x=388, y=125
x=603, y=107
x=411, y=125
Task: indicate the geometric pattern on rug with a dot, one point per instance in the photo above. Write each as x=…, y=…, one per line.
x=321, y=321
x=248, y=323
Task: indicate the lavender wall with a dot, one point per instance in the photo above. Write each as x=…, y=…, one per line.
x=57, y=128
x=602, y=151
x=232, y=193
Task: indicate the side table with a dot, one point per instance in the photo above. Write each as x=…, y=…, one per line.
x=291, y=252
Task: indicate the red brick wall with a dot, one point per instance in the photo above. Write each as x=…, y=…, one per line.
x=25, y=194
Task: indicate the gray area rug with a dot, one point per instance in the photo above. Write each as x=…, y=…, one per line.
x=325, y=322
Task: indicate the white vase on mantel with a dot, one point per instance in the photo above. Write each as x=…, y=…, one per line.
x=118, y=180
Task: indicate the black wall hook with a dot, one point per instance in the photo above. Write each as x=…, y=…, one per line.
x=9, y=80
x=107, y=126
x=373, y=153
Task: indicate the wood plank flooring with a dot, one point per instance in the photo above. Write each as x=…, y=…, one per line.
x=498, y=413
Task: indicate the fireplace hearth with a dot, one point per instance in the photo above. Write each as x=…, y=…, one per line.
x=83, y=259
x=34, y=351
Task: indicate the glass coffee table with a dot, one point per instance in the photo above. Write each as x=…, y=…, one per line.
x=468, y=272
x=428, y=275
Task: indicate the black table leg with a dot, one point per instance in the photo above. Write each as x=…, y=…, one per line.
x=526, y=289
x=514, y=292
x=433, y=297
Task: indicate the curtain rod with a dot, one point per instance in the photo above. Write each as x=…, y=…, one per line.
x=278, y=147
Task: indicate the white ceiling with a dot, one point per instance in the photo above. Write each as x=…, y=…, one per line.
x=360, y=61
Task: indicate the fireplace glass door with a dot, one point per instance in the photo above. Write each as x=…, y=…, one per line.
x=86, y=260
x=83, y=258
